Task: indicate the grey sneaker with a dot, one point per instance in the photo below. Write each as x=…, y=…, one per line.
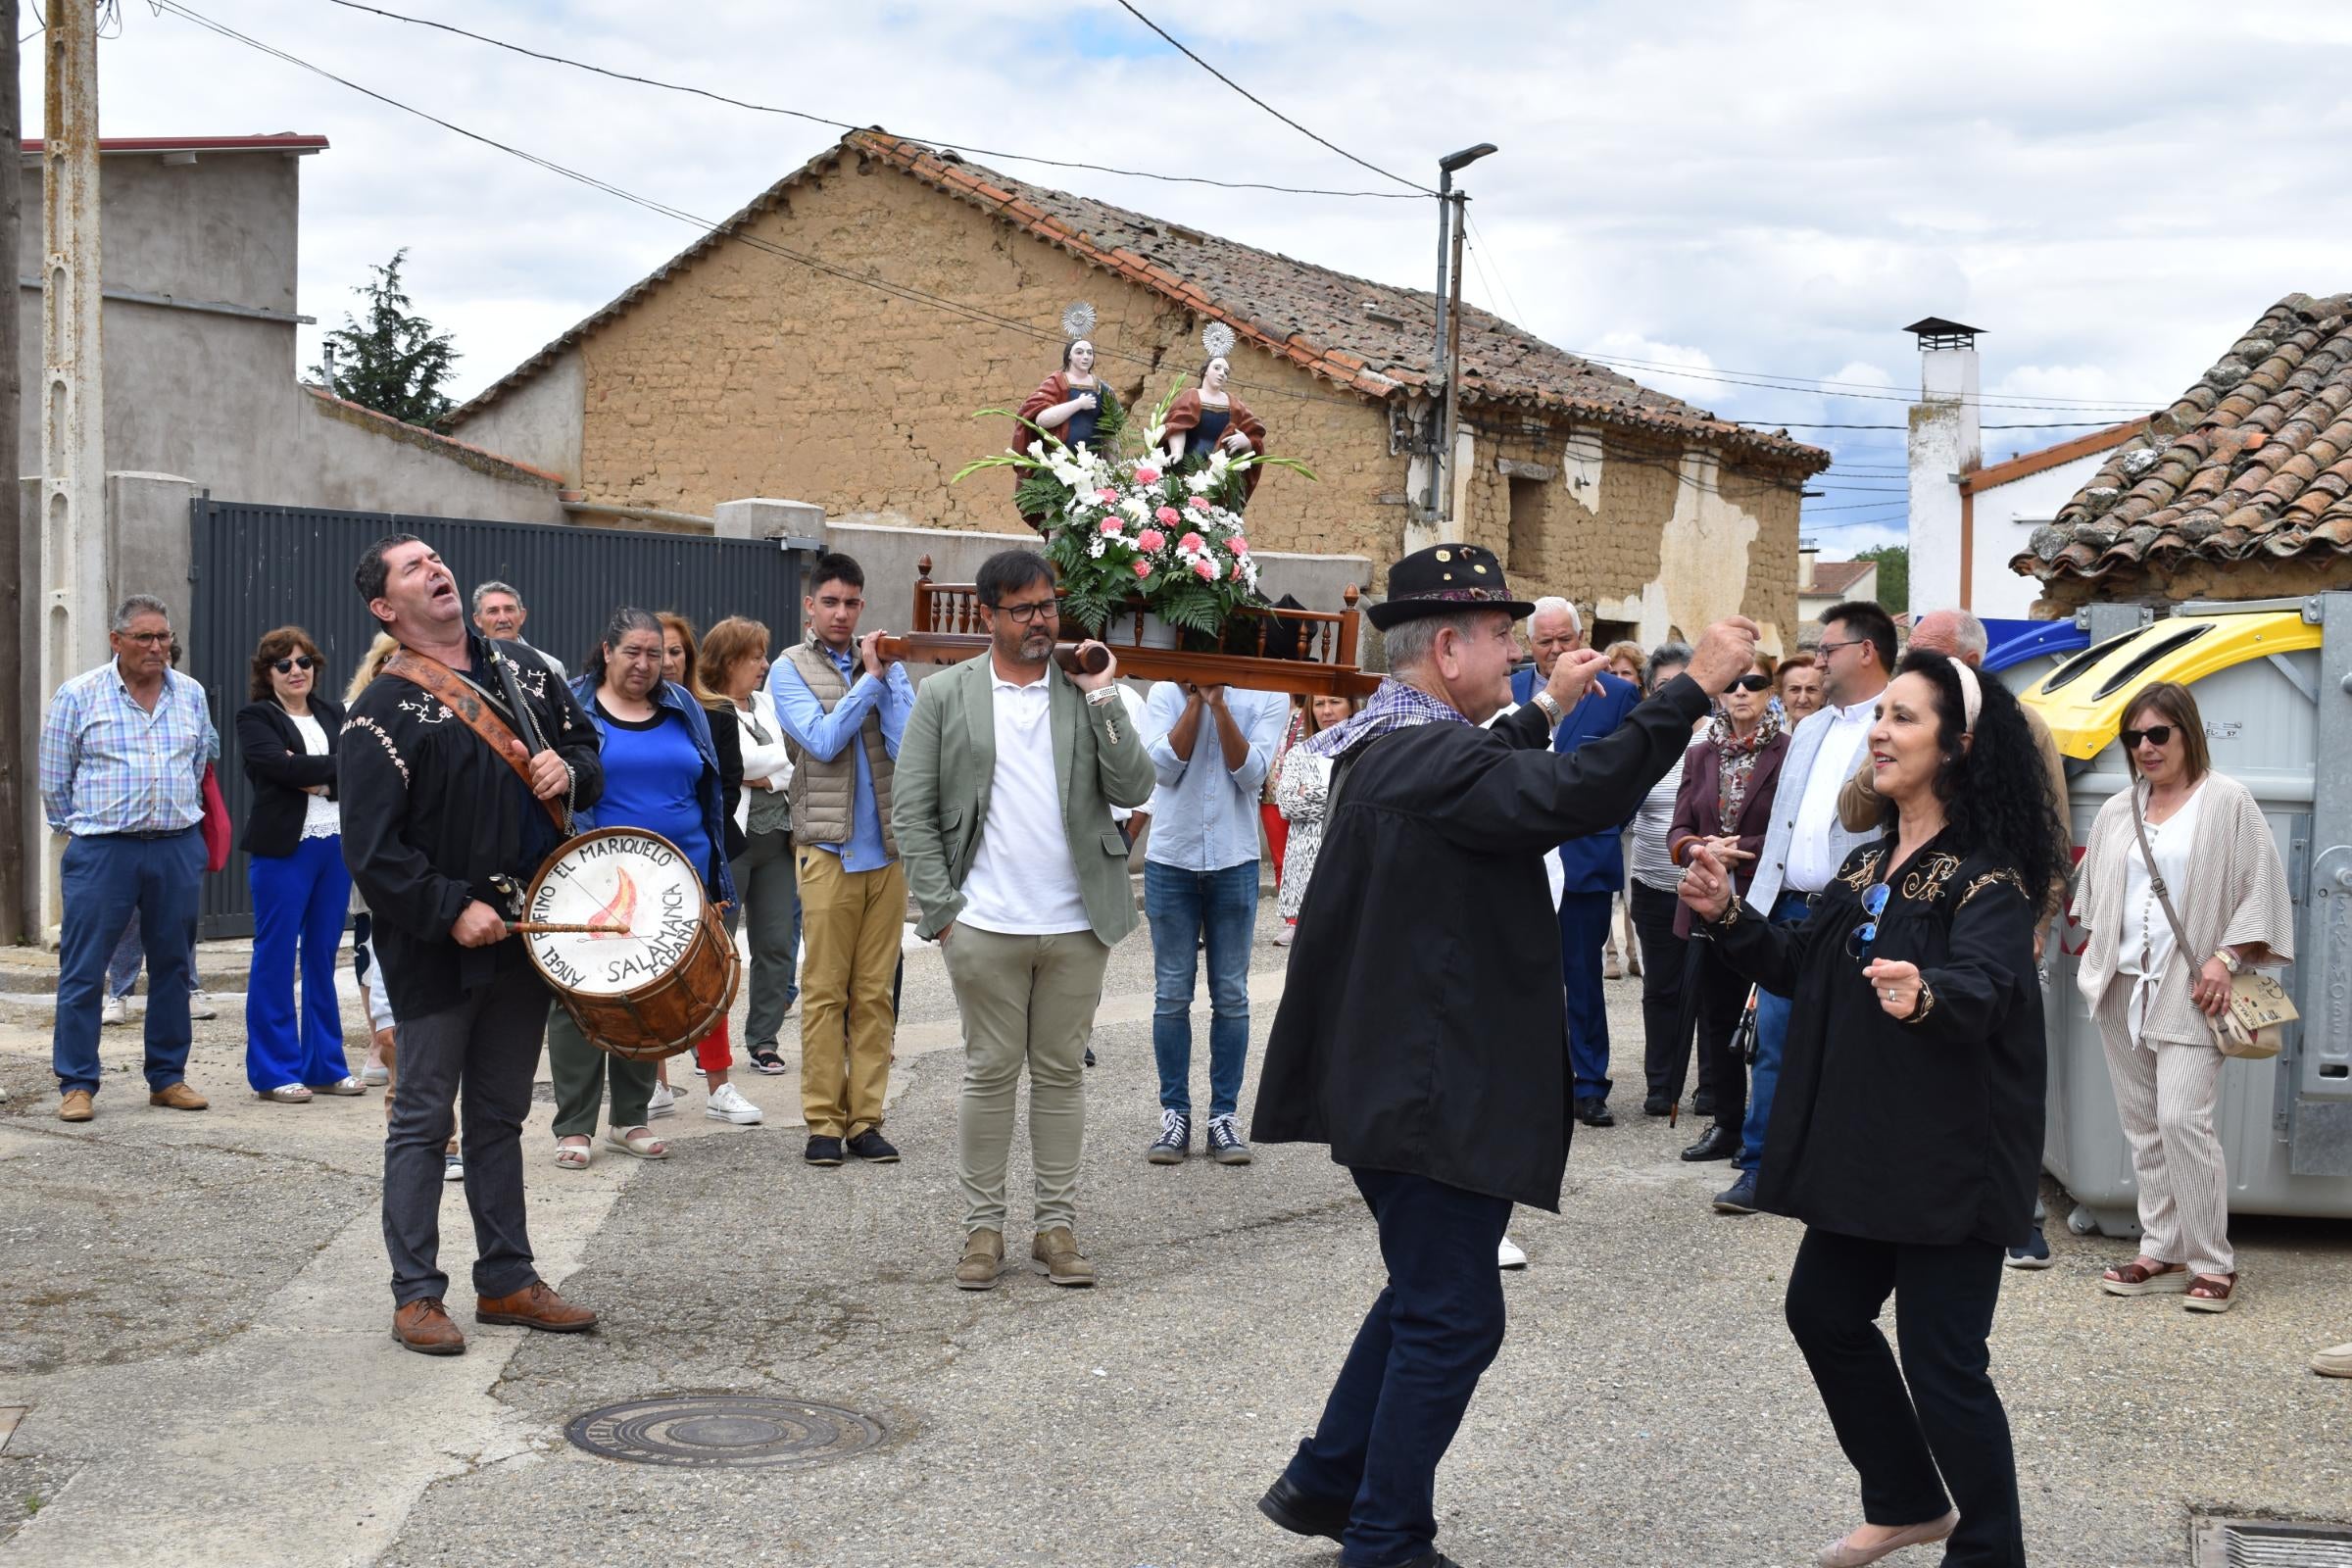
x=1225, y=1144
x=1174, y=1145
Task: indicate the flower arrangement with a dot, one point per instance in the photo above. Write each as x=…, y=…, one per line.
x=1125, y=528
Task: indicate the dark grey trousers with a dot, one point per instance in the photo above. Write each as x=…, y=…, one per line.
x=768, y=889
x=488, y=1046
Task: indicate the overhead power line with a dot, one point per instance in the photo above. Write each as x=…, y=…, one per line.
x=1864, y=389
x=843, y=125
x=1172, y=43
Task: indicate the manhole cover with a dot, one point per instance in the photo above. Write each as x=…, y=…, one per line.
x=740, y=1431
x=2272, y=1543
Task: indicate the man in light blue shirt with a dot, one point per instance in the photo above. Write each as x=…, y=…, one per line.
x=844, y=711
x=1210, y=747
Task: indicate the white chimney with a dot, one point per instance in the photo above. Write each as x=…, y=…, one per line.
x=1806, y=552
x=1945, y=442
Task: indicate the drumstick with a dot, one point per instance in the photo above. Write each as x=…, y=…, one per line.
x=546, y=928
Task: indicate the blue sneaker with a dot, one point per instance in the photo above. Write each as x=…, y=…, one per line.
x=1739, y=1198
x=2036, y=1253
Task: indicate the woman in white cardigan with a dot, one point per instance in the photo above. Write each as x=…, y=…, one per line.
x=2215, y=857
x=734, y=659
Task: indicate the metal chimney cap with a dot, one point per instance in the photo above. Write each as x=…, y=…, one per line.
x=1935, y=333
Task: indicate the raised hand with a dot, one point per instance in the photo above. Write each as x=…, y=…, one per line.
x=1573, y=675
x=1726, y=651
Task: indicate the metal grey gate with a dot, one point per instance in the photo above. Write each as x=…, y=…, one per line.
x=259, y=566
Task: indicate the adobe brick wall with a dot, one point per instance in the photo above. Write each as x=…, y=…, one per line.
x=2201, y=579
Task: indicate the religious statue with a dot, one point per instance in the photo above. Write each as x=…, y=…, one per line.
x=1208, y=419
x=1073, y=405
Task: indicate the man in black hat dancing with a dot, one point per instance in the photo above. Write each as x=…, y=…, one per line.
x=1420, y=1033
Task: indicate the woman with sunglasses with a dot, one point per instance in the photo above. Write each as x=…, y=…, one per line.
x=1907, y=1130
x=294, y=836
x=2151, y=995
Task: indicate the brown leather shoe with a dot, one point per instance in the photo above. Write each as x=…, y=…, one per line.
x=423, y=1326
x=983, y=1259
x=76, y=1107
x=1054, y=1254
x=536, y=1306
x=178, y=1097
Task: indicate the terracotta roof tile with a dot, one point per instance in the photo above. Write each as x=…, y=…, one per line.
x=2250, y=460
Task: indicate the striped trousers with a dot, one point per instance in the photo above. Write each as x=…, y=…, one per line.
x=2166, y=1094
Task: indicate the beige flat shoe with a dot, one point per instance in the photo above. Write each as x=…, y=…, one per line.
x=285, y=1095
x=1837, y=1555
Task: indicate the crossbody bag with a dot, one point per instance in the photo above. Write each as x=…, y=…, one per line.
x=2254, y=1024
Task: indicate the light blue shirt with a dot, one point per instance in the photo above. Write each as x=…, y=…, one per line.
x=823, y=735
x=1205, y=816
x=108, y=765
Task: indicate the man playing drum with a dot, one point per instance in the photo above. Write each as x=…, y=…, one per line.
x=435, y=821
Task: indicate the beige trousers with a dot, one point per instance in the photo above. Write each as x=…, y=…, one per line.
x=2165, y=1097
x=1025, y=1001
x=851, y=924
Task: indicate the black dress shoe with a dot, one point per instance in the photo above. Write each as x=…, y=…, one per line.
x=1658, y=1105
x=1716, y=1143
x=1594, y=1113
x=1702, y=1103
x=1301, y=1514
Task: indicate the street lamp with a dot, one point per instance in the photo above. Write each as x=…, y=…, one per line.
x=1449, y=289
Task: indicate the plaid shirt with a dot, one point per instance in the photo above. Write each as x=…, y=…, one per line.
x=1392, y=707
x=108, y=766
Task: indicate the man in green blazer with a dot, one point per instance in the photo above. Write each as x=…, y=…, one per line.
x=1002, y=809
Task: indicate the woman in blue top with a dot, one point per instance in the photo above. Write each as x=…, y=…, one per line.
x=663, y=775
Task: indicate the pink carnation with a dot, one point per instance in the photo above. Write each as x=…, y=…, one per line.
x=1237, y=545
x=1146, y=475
x=1190, y=543
x=1169, y=516
x=1240, y=571
x=1206, y=570
x=1110, y=527
x=1198, y=502
x=1142, y=568
x=1150, y=539
x=1107, y=496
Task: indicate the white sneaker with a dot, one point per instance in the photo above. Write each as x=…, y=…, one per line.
x=728, y=1105
x=113, y=1010
x=1509, y=1254
x=199, y=1004
x=2335, y=1363
x=663, y=1102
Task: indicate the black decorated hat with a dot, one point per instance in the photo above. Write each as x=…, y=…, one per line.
x=1444, y=580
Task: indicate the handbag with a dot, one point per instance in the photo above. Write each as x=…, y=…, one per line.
x=218, y=835
x=2254, y=1024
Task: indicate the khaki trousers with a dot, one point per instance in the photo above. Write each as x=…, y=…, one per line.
x=851, y=924
x=2166, y=1098
x=1024, y=1000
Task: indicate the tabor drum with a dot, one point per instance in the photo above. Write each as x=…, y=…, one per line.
x=658, y=971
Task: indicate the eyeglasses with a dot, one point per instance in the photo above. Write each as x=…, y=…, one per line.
x=287, y=667
x=1752, y=683
x=1826, y=649
x=1028, y=614
x=1859, y=939
x=2154, y=735
x=147, y=639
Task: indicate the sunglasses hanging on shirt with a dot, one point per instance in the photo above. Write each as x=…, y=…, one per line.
x=1859, y=939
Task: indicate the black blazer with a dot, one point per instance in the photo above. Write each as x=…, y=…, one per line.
x=270, y=748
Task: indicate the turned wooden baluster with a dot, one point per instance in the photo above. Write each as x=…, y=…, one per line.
x=1347, y=649
x=926, y=613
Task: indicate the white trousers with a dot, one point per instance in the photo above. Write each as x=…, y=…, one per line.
x=2166, y=1094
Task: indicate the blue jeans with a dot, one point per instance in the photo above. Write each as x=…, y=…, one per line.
x=298, y=901
x=1583, y=927
x=1430, y=1334
x=1184, y=906
x=1772, y=1029
x=107, y=879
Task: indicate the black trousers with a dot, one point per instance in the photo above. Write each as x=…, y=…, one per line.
x=1721, y=994
x=1948, y=1419
x=1663, y=959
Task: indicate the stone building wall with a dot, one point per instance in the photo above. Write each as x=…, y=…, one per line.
x=2195, y=579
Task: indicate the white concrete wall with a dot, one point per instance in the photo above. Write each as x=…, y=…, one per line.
x=539, y=422
x=2005, y=517
x=1944, y=442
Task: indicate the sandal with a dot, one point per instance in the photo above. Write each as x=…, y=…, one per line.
x=2211, y=1292
x=285, y=1095
x=765, y=1058
x=345, y=1086
x=2137, y=1278
x=575, y=1156
x=637, y=1143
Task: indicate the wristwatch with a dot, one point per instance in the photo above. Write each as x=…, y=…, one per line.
x=2231, y=961
x=1552, y=711
x=1104, y=696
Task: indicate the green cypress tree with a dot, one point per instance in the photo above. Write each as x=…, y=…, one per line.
x=393, y=361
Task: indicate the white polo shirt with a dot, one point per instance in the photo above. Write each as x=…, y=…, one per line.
x=1024, y=882
x=1812, y=858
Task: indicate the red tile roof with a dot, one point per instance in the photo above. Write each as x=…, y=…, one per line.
x=1372, y=338
x=2253, y=461
x=1831, y=578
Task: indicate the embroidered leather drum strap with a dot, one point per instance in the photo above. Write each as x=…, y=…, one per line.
x=458, y=696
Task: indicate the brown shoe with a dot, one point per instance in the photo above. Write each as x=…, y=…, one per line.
x=1054, y=1254
x=423, y=1326
x=536, y=1306
x=983, y=1259
x=178, y=1097
x=76, y=1107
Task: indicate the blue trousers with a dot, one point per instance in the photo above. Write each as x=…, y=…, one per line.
x=298, y=901
x=1772, y=1030
x=106, y=880
x=1186, y=908
x=1583, y=927
x=1401, y=1393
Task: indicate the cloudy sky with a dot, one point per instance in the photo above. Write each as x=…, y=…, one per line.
x=2113, y=193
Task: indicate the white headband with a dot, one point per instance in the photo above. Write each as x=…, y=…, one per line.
x=1971, y=695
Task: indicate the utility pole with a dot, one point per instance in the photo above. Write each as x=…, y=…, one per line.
x=20, y=830
x=1453, y=364
x=1441, y=419
x=74, y=553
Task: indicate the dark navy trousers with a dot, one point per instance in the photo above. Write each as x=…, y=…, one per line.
x=107, y=881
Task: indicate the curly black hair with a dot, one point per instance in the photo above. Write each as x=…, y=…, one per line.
x=1996, y=792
